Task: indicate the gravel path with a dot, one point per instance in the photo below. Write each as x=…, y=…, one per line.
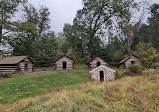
x=33, y=74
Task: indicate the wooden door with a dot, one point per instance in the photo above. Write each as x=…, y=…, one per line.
x=26, y=67
x=64, y=65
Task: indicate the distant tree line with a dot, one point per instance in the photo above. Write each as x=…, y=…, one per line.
x=100, y=28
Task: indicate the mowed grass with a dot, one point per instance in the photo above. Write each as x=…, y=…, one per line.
x=128, y=94
x=16, y=90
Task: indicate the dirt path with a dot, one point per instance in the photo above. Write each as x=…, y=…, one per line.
x=33, y=74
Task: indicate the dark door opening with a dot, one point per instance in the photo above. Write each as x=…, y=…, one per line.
x=101, y=75
x=98, y=64
x=26, y=67
x=133, y=62
x=64, y=65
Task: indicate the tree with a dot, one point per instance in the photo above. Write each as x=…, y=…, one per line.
x=149, y=33
x=114, y=51
x=154, y=25
x=97, y=15
x=45, y=50
x=7, y=10
x=73, y=42
x=22, y=38
x=40, y=18
x=146, y=54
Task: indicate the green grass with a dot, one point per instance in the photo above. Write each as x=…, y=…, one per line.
x=37, y=69
x=73, y=91
x=129, y=94
x=15, y=90
x=81, y=67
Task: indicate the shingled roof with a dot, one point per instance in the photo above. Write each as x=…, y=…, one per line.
x=12, y=60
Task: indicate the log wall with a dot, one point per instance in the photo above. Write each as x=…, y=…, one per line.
x=59, y=64
x=93, y=64
x=8, y=69
x=22, y=66
x=127, y=63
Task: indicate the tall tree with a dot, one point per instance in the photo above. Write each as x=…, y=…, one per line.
x=149, y=33
x=97, y=15
x=7, y=10
x=154, y=25
x=40, y=18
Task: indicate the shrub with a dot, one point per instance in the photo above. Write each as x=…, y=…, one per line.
x=134, y=70
x=118, y=75
x=155, y=65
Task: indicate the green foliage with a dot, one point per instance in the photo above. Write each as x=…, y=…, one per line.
x=95, y=17
x=7, y=10
x=114, y=51
x=72, y=54
x=149, y=33
x=45, y=51
x=147, y=54
x=155, y=65
x=133, y=70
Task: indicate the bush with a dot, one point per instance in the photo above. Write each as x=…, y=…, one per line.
x=155, y=65
x=118, y=75
x=134, y=70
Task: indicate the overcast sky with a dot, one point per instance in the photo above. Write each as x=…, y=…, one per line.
x=63, y=11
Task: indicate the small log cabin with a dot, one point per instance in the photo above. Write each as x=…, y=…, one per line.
x=131, y=60
x=64, y=63
x=10, y=65
x=97, y=62
x=102, y=73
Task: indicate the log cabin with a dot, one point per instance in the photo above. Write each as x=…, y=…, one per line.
x=10, y=65
x=64, y=63
x=97, y=62
x=130, y=60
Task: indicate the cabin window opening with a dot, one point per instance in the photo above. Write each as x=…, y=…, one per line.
x=64, y=65
x=26, y=67
x=98, y=64
x=101, y=73
x=132, y=62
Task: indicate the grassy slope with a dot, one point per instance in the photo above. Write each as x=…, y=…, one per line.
x=128, y=94
x=14, y=90
x=73, y=91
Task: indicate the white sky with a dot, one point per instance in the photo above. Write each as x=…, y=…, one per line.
x=62, y=11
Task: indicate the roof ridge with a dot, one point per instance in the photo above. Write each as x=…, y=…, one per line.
x=104, y=67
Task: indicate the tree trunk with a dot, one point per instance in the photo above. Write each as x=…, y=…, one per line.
x=129, y=43
x=89, y=51
x=0, y=33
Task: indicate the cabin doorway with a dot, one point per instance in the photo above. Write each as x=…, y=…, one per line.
x=26, y=67
x=101, y=73
x=98, y=64
x=64, y=65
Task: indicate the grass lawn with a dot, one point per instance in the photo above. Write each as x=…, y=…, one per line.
x=15, y=90
x=128, y=94
x=73, y=91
